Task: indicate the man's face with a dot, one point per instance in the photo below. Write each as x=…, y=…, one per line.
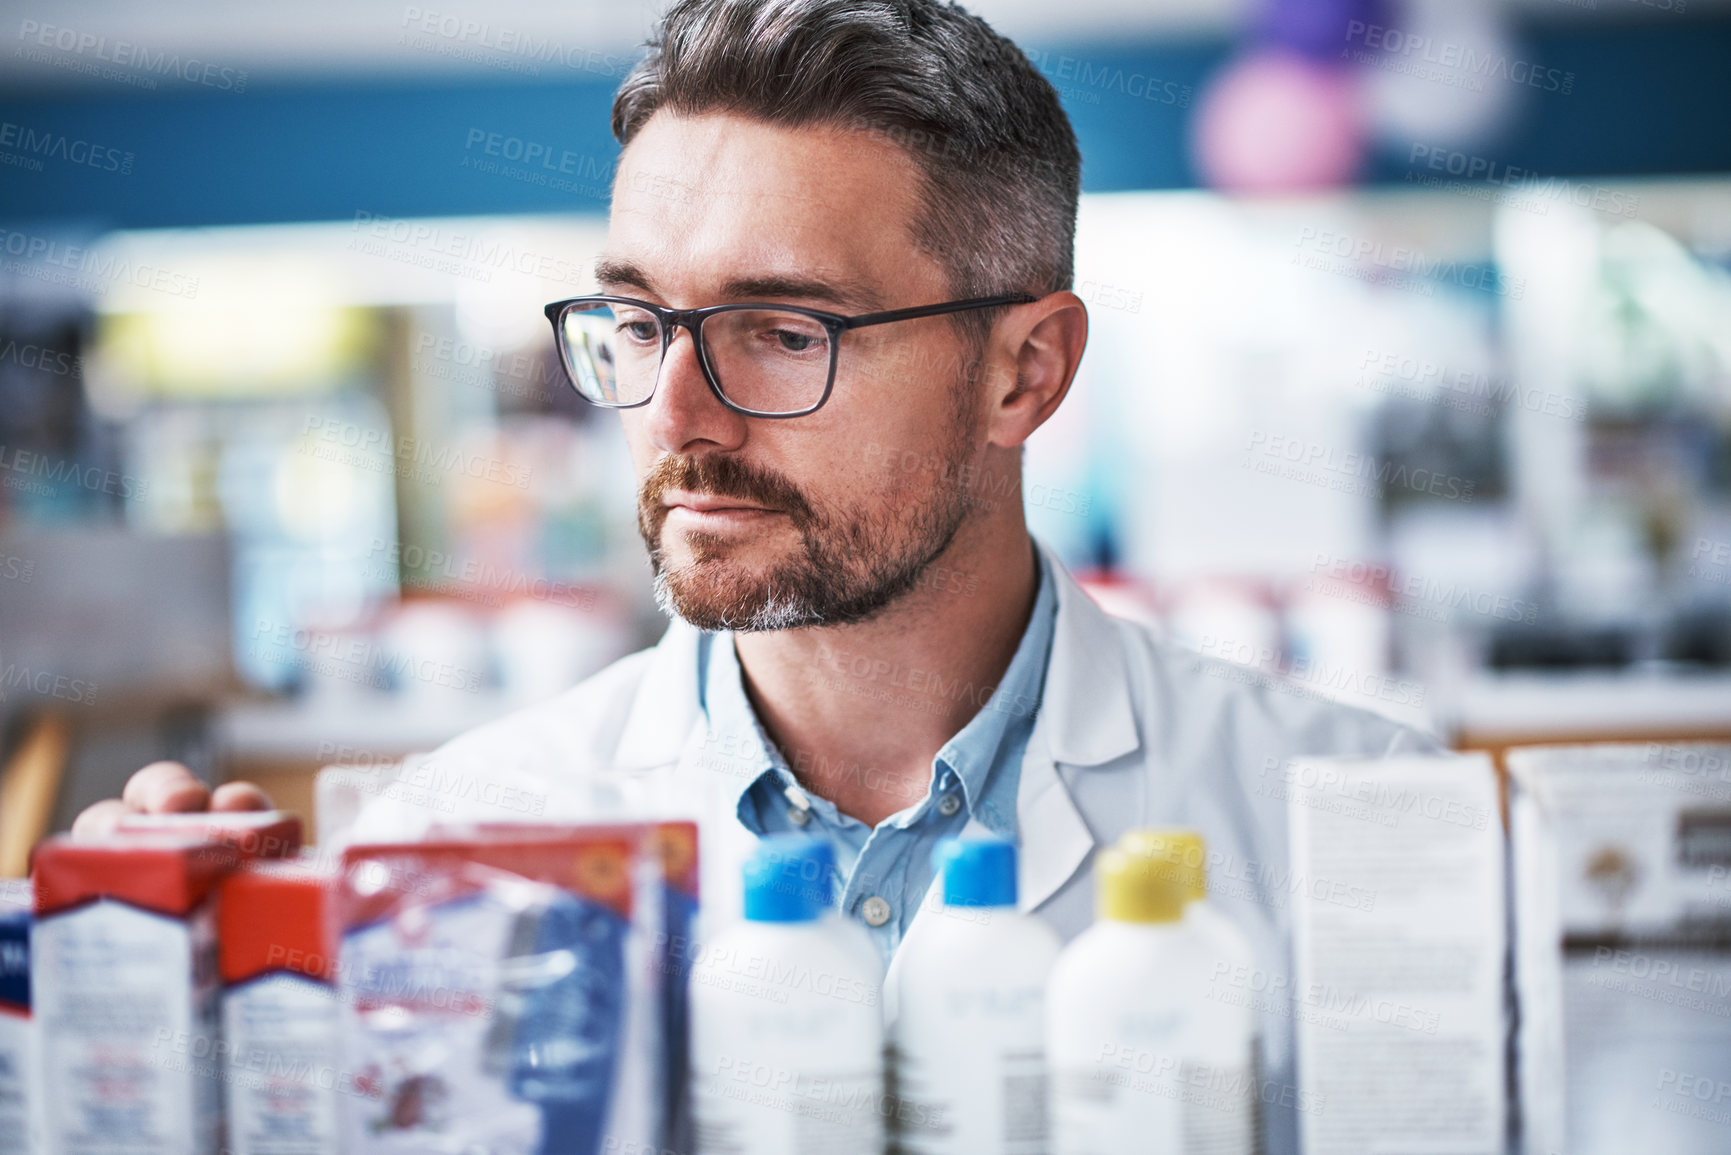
x=756, y=523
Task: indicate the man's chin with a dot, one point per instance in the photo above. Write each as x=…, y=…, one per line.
x=718, y=595
x=729, y=556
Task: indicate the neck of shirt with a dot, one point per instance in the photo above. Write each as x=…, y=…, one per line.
x=883, y=872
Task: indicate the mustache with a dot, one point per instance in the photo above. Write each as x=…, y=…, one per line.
x=722, y=477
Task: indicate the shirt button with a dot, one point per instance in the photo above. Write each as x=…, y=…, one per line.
x=948, y=805
x=875, y=911
x=798, y=815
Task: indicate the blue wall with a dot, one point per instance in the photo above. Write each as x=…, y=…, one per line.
x=1648, y=99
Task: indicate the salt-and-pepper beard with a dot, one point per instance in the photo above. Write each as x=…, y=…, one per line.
x=850, y=563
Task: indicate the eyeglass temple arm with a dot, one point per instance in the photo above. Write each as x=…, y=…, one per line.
x=937, y=310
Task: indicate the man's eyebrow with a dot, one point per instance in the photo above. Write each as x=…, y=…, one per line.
x=849, y=294
x=614, y=273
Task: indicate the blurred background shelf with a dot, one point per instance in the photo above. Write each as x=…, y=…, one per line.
x=1429, y=412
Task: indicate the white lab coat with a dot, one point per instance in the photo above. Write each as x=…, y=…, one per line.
x=1131, y=731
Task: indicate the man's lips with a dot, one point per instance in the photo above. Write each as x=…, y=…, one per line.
x=711, y=503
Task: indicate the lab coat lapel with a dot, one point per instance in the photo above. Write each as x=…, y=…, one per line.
x=665, y=744
x=666, y=704
x=1086, y=718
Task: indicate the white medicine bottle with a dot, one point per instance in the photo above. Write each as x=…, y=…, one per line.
x=968, y=1041
x=786, y=1018
x=1142, y=1059
x=1187, y=854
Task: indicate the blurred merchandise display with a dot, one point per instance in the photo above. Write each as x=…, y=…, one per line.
x=1622, y=920
x=1399, y=447
x=545, y=987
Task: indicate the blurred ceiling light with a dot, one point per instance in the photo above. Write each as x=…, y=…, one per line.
x=263, y=344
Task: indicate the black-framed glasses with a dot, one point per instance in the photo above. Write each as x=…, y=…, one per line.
x=760, y=360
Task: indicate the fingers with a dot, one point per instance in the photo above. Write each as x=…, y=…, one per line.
x=101, y=818
x=165, y=788
x=240, y=796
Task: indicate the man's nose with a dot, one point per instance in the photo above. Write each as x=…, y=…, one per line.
x=685, y=415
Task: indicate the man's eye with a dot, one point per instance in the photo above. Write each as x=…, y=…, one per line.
x=639, y=331
x=794, y=341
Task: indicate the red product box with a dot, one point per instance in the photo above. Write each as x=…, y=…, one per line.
x=596, y=862
x=273, y=917
x=280, y=1020
x=165, y=873
x=255, y=833
x=673, y=843
x=123, y=982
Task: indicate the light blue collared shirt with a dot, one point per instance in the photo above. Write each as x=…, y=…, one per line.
x=975, y=774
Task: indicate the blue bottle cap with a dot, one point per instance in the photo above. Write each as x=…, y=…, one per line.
x=787, y=879
x=977, y=871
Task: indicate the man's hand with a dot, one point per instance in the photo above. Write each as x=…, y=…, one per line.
x=168, y=788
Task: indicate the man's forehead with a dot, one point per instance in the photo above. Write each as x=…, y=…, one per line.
x=727, y=153
x=723, y=197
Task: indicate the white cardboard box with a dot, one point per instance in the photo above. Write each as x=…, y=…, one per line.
x=1622, y=888
x=1400, y=950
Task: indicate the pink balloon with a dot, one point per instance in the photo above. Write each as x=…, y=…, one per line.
x=1274, y=122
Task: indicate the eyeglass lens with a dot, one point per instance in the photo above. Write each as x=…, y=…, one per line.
x=764, y=360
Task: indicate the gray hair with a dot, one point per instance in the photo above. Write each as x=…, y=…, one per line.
x=1002, y=171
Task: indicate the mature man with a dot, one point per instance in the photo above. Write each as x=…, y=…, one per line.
x=880, y=195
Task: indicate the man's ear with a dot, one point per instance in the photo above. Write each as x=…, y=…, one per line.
x=1043, y=342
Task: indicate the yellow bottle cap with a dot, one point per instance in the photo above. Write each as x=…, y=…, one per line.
x=1136, y=880
x=1183, y=852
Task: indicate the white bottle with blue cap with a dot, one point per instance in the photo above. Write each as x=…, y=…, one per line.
x=968, y=1039
x=787, y=1019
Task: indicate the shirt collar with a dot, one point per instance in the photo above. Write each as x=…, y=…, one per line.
x=972, y=756
x=734, y=727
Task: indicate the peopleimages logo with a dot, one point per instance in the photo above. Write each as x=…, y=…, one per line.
x=46, y=259
x=31, y=356
x=1352, y=256
x=471, y=254
x=1351, y=472
x=1376, y=584
x=1092, y=78
x=1535, y=186
x=88, y=51
x=1468, y=391
x=46, y=684
x=334, y=439
x=1458, y=65
x=35, y=144
x=501, y=46
x=19, y=466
